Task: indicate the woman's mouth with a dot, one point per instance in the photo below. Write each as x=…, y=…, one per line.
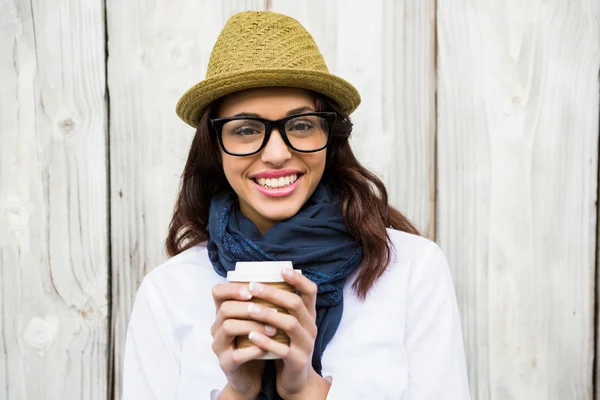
x=277, y=183
x=278, y=187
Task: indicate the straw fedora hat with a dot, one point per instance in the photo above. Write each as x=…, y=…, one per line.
x=264, y=49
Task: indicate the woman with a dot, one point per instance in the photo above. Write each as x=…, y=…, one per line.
x=271, y=176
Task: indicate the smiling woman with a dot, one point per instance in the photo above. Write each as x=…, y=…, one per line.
x=270, y=176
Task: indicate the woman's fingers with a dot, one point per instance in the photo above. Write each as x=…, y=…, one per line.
x=230, y=310
x=231, y=328
x=286, y=322
x=307, y=288
x=295, y=358
x=232, y=319
x=230, y=291
x=267, y=344
x=235, y=313
x=241, y=356
x=293, y=303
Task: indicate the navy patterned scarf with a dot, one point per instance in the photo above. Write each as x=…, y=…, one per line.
x=315, y=240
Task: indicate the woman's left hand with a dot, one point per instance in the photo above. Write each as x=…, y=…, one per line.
x=296, y=377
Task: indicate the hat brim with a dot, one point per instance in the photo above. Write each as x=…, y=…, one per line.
x=194, y=101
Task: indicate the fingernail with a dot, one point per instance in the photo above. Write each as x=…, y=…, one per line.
x=287, y=271
x=254, y=336
x=254, y=308
x=245, y=294
x=269, y=330
x=255, y=287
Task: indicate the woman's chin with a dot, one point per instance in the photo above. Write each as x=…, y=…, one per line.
x=277, y=215
x=278, y=208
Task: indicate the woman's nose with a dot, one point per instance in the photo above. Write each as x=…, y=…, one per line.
x=276, y=151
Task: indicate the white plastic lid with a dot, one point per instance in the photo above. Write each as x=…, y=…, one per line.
x=258, y=271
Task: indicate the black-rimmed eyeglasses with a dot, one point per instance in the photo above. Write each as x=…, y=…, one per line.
x=247, y=135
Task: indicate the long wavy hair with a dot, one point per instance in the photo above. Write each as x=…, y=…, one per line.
x=362, y=196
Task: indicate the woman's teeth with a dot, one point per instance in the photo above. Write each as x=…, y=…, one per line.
x=276, y=183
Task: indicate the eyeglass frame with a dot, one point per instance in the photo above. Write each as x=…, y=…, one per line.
x=218, y=123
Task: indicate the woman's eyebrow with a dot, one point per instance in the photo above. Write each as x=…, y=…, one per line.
x=295, y=111
x=299, y=110
x=246, y=114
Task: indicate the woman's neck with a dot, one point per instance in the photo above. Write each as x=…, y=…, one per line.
x=262, y=224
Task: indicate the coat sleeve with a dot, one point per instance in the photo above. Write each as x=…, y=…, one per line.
x=151, y=367
x=433, y=337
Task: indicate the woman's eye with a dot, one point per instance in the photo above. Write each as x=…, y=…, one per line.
x=246, y=131
x=301, y=126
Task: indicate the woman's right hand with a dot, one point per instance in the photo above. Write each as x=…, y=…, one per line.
x=243, y=371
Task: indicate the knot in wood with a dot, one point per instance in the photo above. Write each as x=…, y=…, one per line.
x=67, y=125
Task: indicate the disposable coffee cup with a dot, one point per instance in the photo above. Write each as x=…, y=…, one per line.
x=268, y=273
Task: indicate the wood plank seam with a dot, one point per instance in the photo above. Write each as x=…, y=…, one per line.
x=433, y=164
x=110, y=359
x=596, y=279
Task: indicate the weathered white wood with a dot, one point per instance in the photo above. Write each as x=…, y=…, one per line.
x=157, y=50
x=386, y=49
x=53, y=201
x=517, y=144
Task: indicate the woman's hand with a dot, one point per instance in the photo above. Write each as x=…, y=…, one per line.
x=295, y=374
x=243, y=372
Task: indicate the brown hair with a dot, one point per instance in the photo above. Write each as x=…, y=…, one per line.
x=363, y=197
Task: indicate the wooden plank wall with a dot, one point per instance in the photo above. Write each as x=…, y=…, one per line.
x=517, y=189
x=480, y=116
x=53, y=201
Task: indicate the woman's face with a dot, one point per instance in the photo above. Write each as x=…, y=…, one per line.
x=263, y=199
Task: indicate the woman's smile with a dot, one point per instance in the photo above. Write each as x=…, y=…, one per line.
x=277, y=183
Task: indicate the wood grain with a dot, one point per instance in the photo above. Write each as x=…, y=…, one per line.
x=386, y=49
x=518, y=158
x=157, y=50
x=517, y=170
x=53, y=201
